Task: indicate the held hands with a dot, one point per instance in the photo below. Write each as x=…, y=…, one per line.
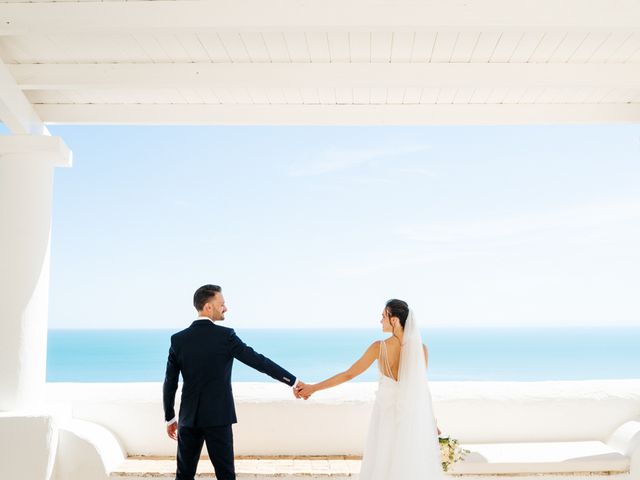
x=172, y=431
x=297, y=388
x=303, y=390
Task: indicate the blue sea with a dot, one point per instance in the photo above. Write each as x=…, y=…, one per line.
x=508, y=354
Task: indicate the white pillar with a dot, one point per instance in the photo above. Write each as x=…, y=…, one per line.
x=26, y=188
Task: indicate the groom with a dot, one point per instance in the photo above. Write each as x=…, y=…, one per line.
x=204, y=354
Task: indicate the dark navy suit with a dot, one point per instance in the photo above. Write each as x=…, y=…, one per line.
x=203, y=354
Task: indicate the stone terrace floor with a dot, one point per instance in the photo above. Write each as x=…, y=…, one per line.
x=305, y=468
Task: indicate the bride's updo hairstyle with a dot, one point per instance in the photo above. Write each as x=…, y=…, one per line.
x=398, y=308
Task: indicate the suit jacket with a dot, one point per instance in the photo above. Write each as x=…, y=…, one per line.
x=204, y=354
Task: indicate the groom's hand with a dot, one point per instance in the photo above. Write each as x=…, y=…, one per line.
x=304, y=390
x=172, y=431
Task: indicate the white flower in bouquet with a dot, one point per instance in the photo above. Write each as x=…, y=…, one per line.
x=450, y=452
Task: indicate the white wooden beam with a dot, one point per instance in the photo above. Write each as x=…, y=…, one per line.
x=446, y=114
x=16, y=112
x=281, y=15
x=300, y=75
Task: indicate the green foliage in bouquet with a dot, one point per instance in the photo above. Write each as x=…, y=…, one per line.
x=450, y=452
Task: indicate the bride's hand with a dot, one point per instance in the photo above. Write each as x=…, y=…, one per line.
x=306, y=390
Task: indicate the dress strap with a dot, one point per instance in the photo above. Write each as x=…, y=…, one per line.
x=387, y=365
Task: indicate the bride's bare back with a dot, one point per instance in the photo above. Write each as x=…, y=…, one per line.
x=389, y=358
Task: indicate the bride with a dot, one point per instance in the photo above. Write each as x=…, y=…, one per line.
x=402, y=441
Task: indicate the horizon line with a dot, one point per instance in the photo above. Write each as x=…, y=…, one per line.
x=441, y=327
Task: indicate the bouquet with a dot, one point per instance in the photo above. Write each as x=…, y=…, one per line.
x=450, y=452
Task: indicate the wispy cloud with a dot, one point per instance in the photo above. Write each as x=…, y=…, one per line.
x=392, y=262
x=595, y=216
x=417, y=171
x=373, y=181
x=333, y=160
x=614, y=224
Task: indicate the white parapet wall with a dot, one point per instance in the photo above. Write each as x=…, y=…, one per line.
x=334, y=422
x=86, y=451
x=28, y=444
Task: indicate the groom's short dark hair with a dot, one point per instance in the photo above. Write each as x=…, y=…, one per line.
x=203, y=294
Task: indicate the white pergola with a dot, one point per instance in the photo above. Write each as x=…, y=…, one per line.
x=330, y=62
x=320, y=62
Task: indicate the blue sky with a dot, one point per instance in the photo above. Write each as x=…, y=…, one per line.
x=319, y=226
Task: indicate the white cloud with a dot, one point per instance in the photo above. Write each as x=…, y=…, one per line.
x=522, y=227
x=418, y=171
x=334, y=160
x=597, y=227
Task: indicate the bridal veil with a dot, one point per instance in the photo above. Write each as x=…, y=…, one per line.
x=416, y=449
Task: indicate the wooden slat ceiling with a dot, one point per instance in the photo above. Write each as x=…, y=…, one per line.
x=89, y=72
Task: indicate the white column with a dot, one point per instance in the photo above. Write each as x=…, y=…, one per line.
x=27, y=163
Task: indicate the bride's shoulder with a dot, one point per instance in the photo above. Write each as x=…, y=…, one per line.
x=374, y=347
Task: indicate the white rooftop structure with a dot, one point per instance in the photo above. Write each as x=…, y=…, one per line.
x=321, y=62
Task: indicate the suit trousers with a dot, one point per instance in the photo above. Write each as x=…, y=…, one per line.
x=219, y=442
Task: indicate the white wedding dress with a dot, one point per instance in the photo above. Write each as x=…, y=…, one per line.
x=402, y=441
